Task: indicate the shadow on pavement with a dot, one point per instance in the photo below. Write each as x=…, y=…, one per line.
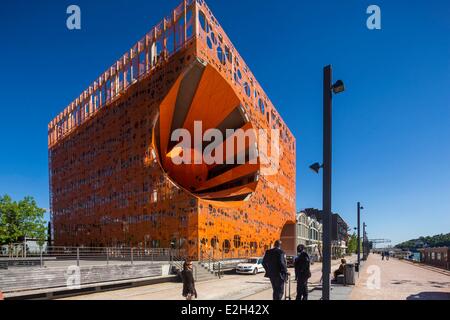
x=430, y=296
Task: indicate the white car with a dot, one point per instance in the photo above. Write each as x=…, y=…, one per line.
x=252, y=266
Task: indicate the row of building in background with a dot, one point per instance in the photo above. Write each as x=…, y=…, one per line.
x=308, y=231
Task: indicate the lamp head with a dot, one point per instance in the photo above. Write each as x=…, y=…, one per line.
x=338, y=87
x=316, y=167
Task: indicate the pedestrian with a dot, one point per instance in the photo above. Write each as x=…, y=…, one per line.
x=382, y=255
x=341, y=269
x=387, y=255
x=188, y=281
x=274, y=263
x=302, y=272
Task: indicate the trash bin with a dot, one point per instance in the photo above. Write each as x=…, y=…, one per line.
x=349, y=274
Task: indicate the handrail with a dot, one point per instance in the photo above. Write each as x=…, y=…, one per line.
x=58, y=256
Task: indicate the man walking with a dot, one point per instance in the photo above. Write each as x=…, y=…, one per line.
x=274, y=263
x=302, y=272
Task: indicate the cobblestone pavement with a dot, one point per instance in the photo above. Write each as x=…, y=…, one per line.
x=399, y=280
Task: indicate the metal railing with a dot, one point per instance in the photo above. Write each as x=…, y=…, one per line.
x=218, y=263
x=55, y=256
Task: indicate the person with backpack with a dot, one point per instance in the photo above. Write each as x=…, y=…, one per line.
x=302, y=272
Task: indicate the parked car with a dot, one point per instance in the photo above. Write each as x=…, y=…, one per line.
x=290, y=261
x=251, y=266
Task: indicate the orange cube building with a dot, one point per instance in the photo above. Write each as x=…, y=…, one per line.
x=112, y=178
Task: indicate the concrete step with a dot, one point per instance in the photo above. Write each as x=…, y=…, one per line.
x=19, y=279
x=203, y=274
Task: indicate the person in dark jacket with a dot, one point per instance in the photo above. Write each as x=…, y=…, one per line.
x=274, y=263
x=302, y=272
x=341, y=269
x=188, y=281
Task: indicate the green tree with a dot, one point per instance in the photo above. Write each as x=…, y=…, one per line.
x=439, y=240
x=352, y=244
x=20, y=219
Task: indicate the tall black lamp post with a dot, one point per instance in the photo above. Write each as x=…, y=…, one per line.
x=328, y=89
x=359, y=208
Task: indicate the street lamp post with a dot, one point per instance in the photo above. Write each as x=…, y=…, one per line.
x=366, y=249
x=364, y=241
x=326, y=195
x=328, y=88
x=359, y=207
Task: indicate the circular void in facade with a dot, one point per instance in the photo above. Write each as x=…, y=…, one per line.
x=205, y=141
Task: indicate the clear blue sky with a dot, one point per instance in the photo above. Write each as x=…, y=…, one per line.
x=391, y=127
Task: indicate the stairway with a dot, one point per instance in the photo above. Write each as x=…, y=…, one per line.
x=202, y=272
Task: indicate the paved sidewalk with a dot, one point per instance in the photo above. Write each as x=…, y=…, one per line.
x=338, y=292
x=399, y=280
x=231, y=287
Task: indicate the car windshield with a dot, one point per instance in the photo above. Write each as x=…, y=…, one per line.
x=252, y=261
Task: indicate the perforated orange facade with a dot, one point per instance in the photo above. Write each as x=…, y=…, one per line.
x=112, y=178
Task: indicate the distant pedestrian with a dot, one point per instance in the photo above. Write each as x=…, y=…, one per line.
x=382, y=255
x=274, y=263
x=302, y=272
x=188, y=281
x=387, y=255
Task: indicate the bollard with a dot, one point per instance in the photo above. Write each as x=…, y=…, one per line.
x=107, y=256
x=131, y=255
x=78, y=257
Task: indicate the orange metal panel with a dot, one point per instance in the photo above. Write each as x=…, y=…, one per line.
x=110, y=182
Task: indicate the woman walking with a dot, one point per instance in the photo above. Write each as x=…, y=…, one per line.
x=188, y=281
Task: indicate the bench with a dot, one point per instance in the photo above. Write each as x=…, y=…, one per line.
x=340, y=279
